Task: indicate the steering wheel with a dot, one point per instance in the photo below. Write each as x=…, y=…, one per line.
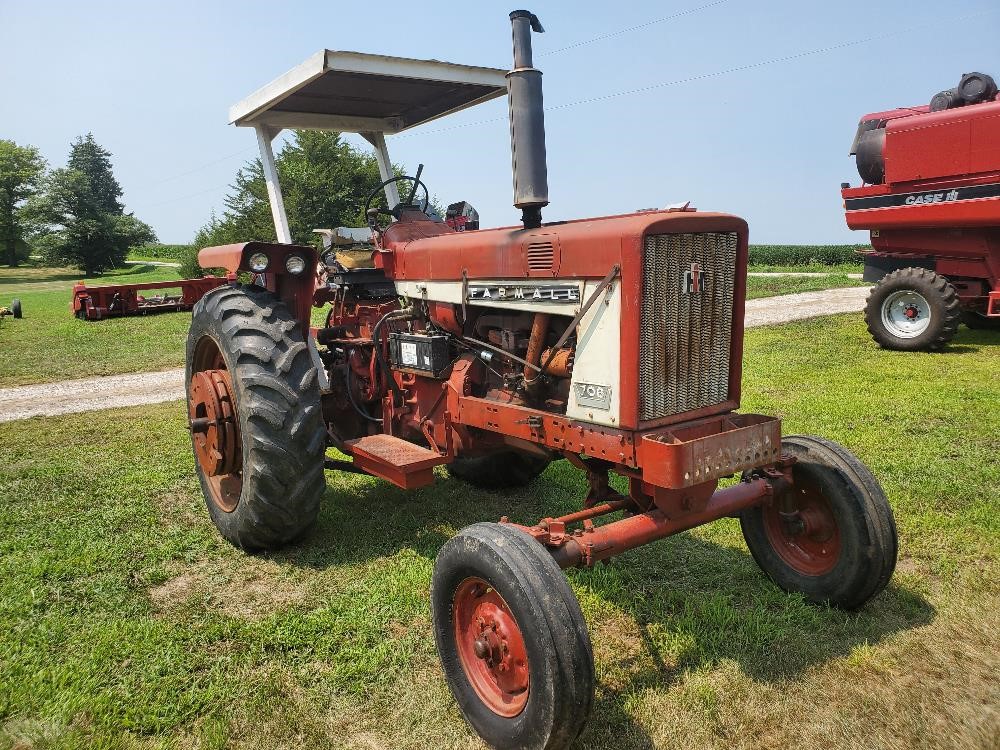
x=372, y=213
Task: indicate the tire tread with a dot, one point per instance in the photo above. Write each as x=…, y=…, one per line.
x=932, y=286
x=280, y=416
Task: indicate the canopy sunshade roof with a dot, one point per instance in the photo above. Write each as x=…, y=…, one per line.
x=357, y=92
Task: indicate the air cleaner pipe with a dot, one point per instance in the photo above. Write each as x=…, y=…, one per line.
x=527, y=123
x=536, y=343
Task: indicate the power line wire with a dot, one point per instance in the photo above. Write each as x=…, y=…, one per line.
x=714, y=74
x=184, y=197
x=637, y=27
x=582, y=43
x=638, y=90
x=221, y=159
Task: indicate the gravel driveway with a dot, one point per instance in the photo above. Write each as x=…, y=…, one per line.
x=89, y=394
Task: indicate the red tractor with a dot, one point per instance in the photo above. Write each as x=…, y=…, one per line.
x=614, y=343
x=931, y=199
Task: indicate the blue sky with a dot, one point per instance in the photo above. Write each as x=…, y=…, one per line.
x=154, y=82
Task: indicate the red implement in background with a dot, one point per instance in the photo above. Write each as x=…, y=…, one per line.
x=118, y=300
x=931, y=193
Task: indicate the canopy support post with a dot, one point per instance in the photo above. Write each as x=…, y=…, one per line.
x=384, y=166
x=265, y=135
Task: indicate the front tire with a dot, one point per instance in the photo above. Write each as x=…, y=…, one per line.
x=500, y=470
x=256, y=424
x=912, y=309
x=15, y=308
x=839, y=545
x=512, y=640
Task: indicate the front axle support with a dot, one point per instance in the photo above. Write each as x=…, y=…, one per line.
x=588, y=545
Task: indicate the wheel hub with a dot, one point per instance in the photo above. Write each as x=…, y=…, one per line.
x=906, y=314
x=491, y=647
x=804, y=532
x=212, y=418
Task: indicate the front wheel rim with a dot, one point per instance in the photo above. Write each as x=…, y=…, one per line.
x=906, y=313
x=490, y=647
x=803, y=530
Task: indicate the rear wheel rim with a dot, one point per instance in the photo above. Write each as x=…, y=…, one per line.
x=214, y=425
x=490, y=647
x=906, y=314
x=803, y=532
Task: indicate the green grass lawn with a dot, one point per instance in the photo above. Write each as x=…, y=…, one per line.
x=773, y=286
x=48, y=343
x=125, y=622
x=809, y=268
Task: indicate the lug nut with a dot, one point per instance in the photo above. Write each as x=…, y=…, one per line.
x=200, y=424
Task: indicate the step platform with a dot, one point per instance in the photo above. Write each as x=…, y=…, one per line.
x=403, y=463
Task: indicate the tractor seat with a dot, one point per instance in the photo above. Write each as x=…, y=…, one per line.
x=352, y=246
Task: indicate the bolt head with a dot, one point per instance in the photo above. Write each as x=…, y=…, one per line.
x=481, y=648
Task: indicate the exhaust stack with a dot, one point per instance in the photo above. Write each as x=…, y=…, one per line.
x=527, y=123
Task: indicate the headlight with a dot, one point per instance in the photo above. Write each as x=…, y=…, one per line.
x=258, y=262
x=295, y=264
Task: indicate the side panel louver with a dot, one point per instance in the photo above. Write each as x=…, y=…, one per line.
x=541, y=257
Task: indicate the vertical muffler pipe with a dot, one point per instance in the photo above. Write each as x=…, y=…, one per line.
x=527, y=123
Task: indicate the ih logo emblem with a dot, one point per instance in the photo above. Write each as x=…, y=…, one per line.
x=695, y=280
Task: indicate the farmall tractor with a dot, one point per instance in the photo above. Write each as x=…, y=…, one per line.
x=614, y=343
x=931, y=199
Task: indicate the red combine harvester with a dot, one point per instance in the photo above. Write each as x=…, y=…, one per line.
x=118, y=300
x=614, y=343
x=931, y=199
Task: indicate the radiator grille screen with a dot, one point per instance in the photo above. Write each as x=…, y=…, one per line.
x=687, y=312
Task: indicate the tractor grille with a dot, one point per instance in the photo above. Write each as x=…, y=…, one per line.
x=687, y=315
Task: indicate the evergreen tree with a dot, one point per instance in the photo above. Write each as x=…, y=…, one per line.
x=324, y=182
x=22, y=170
x=88, y=157
x=87, y=226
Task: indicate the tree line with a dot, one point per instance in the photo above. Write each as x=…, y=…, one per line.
x=74, y=215
x=71, y=216
x=324, y=183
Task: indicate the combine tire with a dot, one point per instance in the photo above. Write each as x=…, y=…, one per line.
x=256, y=424
x=498, y=470
x=978, y=321
x=912, y=309
x=15, y=308
x=839, y=545
x=512, y=640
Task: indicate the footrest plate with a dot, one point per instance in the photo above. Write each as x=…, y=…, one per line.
x=399, y=461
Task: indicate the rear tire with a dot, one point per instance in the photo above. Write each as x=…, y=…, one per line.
x=845, y=550
x=512, y=640
x=499, y=470
x=270, y=490
x=15, y=308
x=912, y=309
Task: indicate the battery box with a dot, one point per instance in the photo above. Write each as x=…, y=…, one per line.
x=422, y=353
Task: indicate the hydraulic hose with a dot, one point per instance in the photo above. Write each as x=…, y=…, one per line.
x=377, y=343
